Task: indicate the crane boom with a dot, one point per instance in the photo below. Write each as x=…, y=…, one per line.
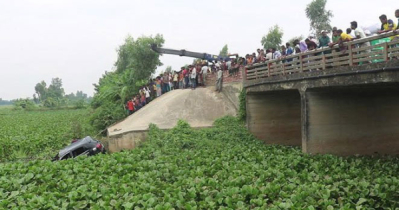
x=203, y=56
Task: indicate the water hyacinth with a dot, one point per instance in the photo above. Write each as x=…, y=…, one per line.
x=223, y=167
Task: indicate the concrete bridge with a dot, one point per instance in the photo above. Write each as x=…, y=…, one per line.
x=328, y=102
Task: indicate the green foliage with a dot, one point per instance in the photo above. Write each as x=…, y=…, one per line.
x=223, y=167
x=55, y=89
x=291, y=41
x=319, y=17
x=54, y=95
x=107, y=114
x=39, y=133
x=225, y=51
x=273, y=38
x=50, y=102
x=41, y=90
x=242, y=110
x=80, y=104
x=168, y=69
x=136, y=62
x=25, y=104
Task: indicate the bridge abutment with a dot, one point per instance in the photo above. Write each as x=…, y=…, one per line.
x=275, y=117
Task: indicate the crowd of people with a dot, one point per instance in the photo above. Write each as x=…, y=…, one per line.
x=324, y=41
x=189, y=77
x=195, y=75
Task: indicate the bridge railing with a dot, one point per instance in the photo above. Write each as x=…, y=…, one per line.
x=354, y=53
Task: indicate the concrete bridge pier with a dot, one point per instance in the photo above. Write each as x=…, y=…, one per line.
x=275, y=117
x=351, y=120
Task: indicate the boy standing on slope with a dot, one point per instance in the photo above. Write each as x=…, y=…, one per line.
x=219, y=80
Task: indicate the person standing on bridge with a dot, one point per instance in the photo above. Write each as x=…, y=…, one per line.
x=186, y=78
x=359, y=34
x=175, y=80
x=158, y=86
x=204, y=71
x=181, y=79
x=147, y=94
x=324, y=40
x=335, y=37
x=387, y=25
x=166, y=81
x=130, y=107
x=219, y=80
x=193, y=77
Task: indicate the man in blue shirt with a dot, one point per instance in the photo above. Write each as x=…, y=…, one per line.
x=289, y=51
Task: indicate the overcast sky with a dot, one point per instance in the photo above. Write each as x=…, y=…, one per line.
x=76, y=40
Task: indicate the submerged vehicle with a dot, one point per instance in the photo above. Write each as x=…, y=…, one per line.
x=86, y=146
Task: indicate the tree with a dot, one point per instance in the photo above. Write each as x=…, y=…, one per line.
x=168, y=69
x=273, y=38
x=35, y=99
x=319, y=17
x=41, y=90
x=55, y=89
x=291, y=41
x=136, y=62
x=225, y=51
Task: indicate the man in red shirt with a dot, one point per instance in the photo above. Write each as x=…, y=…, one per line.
x=130, y=107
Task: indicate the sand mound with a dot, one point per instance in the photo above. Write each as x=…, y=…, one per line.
x=198, y=107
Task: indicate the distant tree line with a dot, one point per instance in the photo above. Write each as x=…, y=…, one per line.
x=5, y=102
x=52, y=96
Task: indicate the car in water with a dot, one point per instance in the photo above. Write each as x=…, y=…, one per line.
x=81, y=147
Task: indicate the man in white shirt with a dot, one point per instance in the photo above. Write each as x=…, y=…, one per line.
x=217, y=65
x=269, y=55
x=228, y=64
x=204, y=71
x=219, y=80
x=193, y=75
x=359, y=33
x=147, y=94
x=275, y=54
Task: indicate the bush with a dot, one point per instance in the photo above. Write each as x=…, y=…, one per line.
x=26, y=104
x=50, y=102
x=106, y=115
x=79, y=104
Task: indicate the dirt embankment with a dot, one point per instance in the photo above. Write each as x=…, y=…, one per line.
x=198, y=107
